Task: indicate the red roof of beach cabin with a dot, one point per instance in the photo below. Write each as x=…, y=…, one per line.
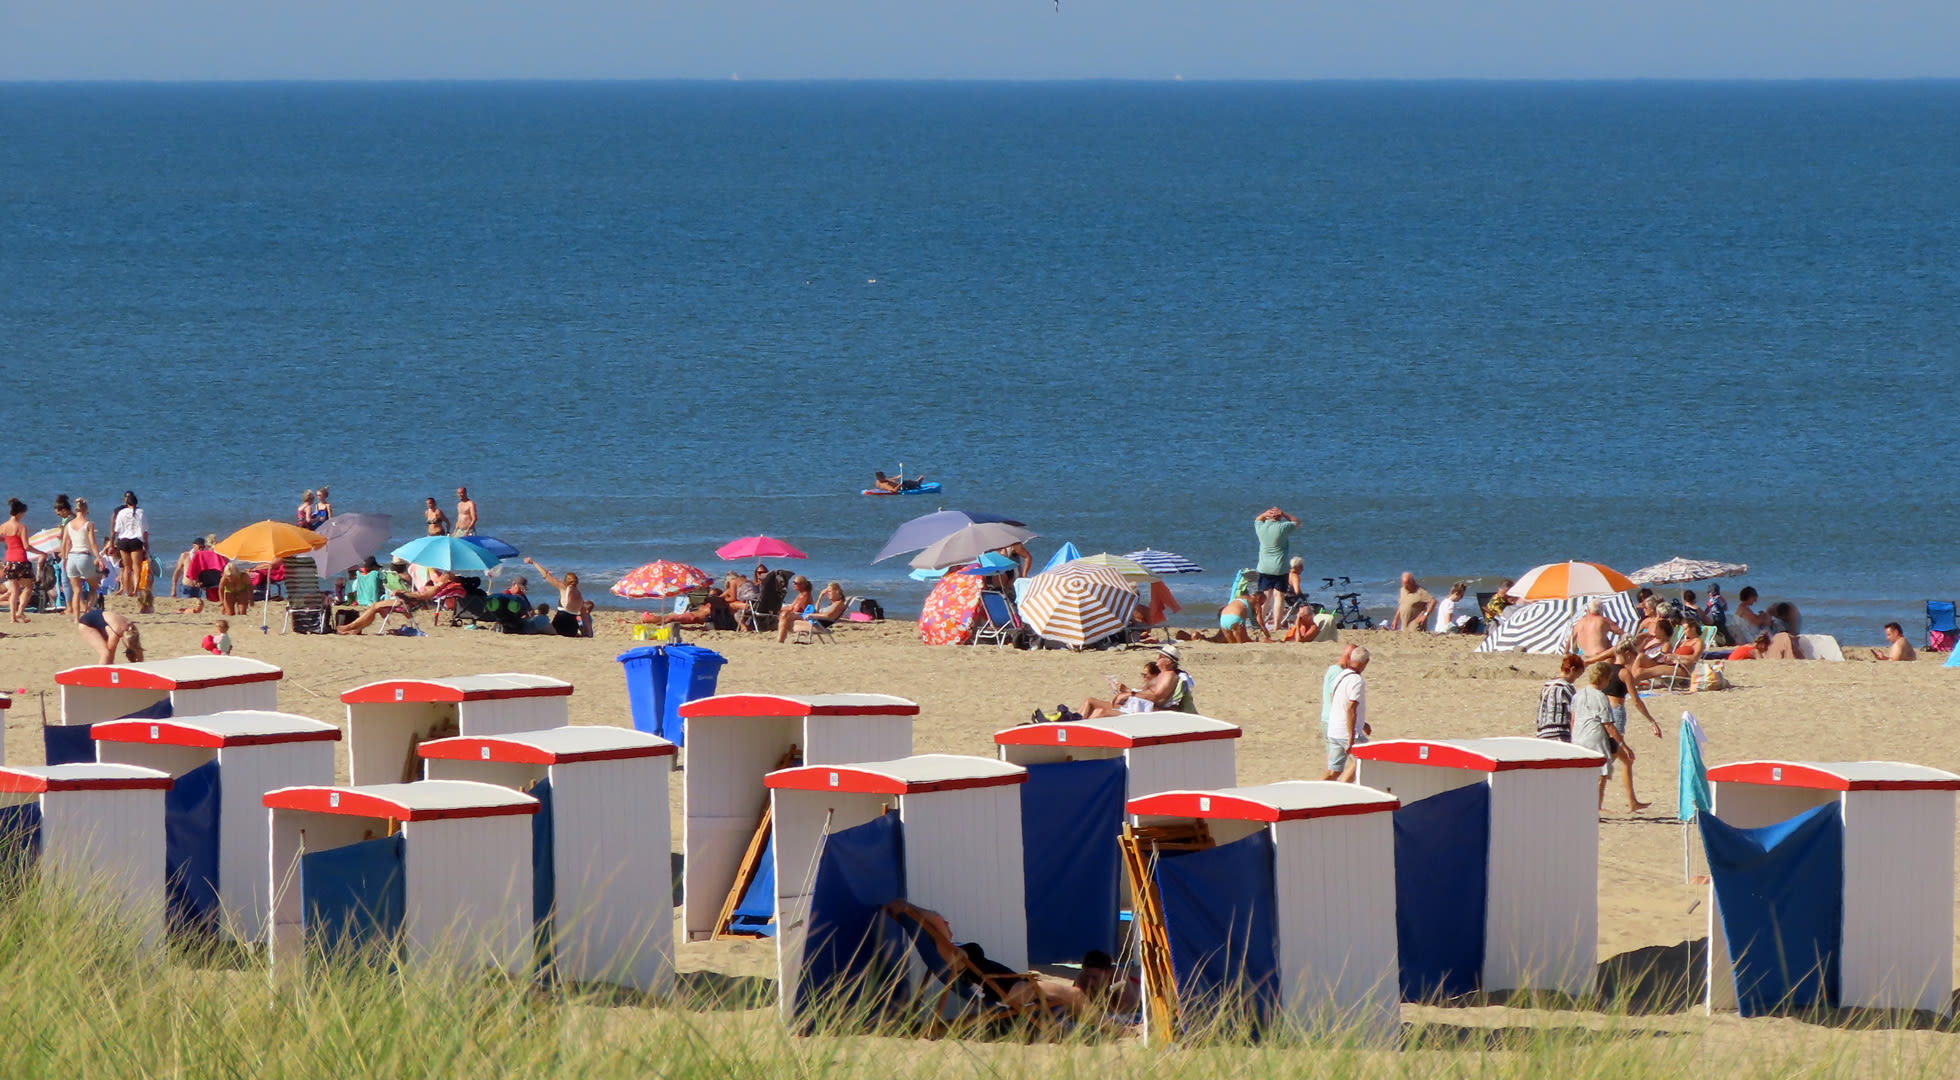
x=460, y=688
x=1121, y=732
x=1483, y=755
x=1290, y=800
x=423, y=800
x=813, y=705
x=178, y=673
x=905, y=776
x=553, y=746
x=238, y=727
x=1837, y=775
x=81, y=776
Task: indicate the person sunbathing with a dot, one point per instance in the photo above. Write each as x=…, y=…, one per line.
x=998, y=985
x=881, y=482
x=794, y=607
x=441, y=584
x=828, y=609
x=1898, y=648
x=1160, y=686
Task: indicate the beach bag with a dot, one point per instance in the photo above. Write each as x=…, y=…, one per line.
x=864, y=609
x=1708, y=676
x=1939, y=640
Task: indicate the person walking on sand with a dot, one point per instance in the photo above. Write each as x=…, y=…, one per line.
x=130, y=530
x=78, y=561
x=1619, y=693
x=19, y=573
x=1347, y=715
x=465, y=513
x=438, y=521
x=1592, y=721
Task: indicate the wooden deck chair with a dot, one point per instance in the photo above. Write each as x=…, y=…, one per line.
x=1017, y=1000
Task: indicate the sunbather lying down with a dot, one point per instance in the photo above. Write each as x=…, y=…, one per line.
x=1097, y=991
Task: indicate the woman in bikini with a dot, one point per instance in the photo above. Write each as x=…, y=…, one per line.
x=438, y=521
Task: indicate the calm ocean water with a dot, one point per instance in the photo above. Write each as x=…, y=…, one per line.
x=1460, y=329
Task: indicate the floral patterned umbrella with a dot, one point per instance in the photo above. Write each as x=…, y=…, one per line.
x=948, y=615
x=660, y=579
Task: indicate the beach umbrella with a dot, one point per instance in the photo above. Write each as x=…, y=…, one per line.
x=1679, y=570
x=350, y=538
x=660, y=579
x=1130, y=571
x=947, y=618
x=990, y=564
x=926, y=575
x=971, y=542
x=494, y=546
x=1562, y=581
x=758, y=547
x=1164, y=563
x=923, y=532
x=268, y=542
x=1077, y=604
x=450, y=553
x=1067, y=553
x=45, y=543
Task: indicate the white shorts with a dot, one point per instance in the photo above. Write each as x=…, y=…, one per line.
x=1135, y=704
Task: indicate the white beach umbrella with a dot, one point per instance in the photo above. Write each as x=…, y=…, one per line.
x=1077, y=603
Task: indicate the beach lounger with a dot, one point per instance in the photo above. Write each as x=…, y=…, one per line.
x=306, y=603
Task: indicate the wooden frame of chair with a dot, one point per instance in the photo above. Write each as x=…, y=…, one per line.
x=1140, y=847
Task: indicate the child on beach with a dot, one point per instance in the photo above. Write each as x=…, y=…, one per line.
x=218, y=642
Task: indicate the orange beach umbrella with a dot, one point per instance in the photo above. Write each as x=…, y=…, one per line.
x=268, y=542
x=1566, y=580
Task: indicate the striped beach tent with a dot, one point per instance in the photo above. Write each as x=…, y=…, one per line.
x=1164, y=563
x=1542, y=626
x=1078, y=603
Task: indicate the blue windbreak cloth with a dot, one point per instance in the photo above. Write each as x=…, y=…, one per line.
x=850, y=946
x=20, y=837
x=68, y=744
x=1071, y=818
x=1442, y=888
x=544, y=883
x=190, y=849
x=756, y=913
x=1219, y=913
x=354, y=894
x=1780, y=889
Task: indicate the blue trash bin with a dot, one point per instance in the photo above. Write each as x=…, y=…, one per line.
x=646, y=685
x=691, y=673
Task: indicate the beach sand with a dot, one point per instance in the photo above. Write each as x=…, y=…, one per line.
x=1419, y=686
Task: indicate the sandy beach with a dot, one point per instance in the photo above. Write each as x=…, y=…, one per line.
x=1419, y=686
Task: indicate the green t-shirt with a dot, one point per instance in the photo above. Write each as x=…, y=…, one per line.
x=1327, y=681
x=1274, y=558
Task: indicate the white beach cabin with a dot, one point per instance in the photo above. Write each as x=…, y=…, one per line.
x=1080, y=775
x=386, y=720
x=733, y=741
x=602, y=858
x=181, y=686
x=1497, y=848
x=90, y=827
x=445, y=862
x=222, y=765
x=957, y=820
x=1868, y=884
x=1326, y=941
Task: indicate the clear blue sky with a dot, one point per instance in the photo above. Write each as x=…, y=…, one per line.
x=977, y=39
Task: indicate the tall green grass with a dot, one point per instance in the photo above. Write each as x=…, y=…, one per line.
x=80, y=998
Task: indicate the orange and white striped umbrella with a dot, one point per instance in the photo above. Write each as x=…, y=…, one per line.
x=1565, y=580
x=1076, y=604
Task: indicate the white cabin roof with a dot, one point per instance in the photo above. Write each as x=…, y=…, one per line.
x=238, y=727
x=1483, y=755
x=509, y=684
x=904, y=776
x=80, y=776
x=177, y=673
x=1837, y=775
x=423, y=800
x=551, y=746
x=1289, y=800
x=740, y=705
x=1121, y=732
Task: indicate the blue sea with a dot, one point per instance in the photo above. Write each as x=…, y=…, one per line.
x=1459, y=329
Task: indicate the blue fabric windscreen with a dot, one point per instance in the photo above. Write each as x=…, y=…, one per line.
x=1219, y=913
x=355, y=894
x=1780, y=889
x=68, y=744
x=1442, y=888
x=756, y=912
x=1071, y=819
x=851, y=950
x=20, y=840
x=190, y=849
x=544, y=856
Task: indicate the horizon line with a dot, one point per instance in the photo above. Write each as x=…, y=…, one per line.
x=1457, y=80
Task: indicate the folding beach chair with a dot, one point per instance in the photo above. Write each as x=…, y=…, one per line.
x=809, y=626
x=960, y=1006
x=1002, y=625
x=306, y=603
x=1941, y=630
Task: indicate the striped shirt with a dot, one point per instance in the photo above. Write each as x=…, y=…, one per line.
x=1555, y=711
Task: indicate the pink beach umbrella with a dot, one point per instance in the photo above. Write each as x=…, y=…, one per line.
x=660, y=579
x=758, y=547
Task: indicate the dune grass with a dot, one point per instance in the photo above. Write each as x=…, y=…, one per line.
x=82, y=998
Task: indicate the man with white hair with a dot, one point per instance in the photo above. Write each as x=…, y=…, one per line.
x=1592, y=635
x=1347, y=715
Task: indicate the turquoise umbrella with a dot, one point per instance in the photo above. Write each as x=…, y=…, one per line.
x=446, y=553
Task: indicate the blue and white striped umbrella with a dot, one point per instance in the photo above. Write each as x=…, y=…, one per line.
x=1163, y=563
